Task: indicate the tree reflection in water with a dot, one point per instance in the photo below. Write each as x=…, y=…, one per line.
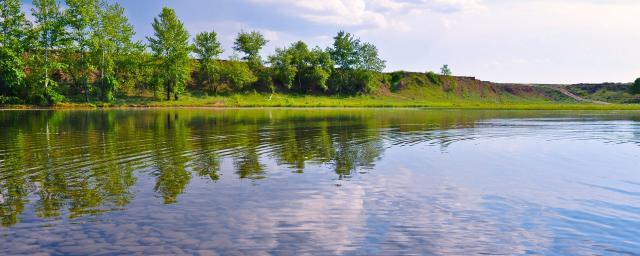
x=87, y=162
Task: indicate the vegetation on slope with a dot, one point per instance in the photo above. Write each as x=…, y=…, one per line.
x=85, y=53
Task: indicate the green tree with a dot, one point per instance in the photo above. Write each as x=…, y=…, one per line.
x=82, y=18
x=112, y=47
x=14, y=29
x=208, y=48
x=50, y=37
x=635, y=87
x=358, y=64
x=250, y=44
x=445, y=71
x=236, y=74
x=345, y=50
x=306, y=68
x=170, y=45
x=368, y=58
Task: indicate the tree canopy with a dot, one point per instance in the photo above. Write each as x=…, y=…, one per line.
x=635, y=87
x=14, y=40
x=301, y=66
x=207, y=48
x=84, y=50
x=445, y=70
x=250, y=44
x=170, y=45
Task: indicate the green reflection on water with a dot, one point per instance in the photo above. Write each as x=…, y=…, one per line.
x=85, y=162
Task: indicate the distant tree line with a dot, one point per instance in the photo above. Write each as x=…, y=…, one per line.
x=86, y=52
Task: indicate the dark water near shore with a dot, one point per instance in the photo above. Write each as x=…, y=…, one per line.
x=319, y=181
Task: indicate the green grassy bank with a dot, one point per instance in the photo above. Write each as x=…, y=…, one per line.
x=394, y=101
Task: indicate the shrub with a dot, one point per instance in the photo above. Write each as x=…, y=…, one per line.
x=434, y=78
x=635, y=87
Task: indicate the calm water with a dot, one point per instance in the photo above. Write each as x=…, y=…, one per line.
x=323, y=181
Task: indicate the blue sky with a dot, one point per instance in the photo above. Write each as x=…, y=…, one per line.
x=530, y=41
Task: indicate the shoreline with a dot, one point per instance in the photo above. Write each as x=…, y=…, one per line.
x=550, y=106
x=315, y=101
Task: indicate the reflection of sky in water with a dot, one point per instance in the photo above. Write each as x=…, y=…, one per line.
x=366, y=183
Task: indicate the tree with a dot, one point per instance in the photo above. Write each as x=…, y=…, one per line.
x=357, y=64
x=82, y=16
x=14, y=29
x=50, y=36
x=368, y=59
x=635, y=87
x=208, y=48
x=306, y=68
x=170, y=45
x=250, y=43
x=114, y=47
x=344, y=51
x=445, y=71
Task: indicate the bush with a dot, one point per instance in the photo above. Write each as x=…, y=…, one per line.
x=237, y=75
x=10, y=100
x=434, y=78
x=635, y=87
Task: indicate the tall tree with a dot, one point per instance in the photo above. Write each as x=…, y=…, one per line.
x=171, y=48
x=368, y=58
x=50, y=35
x=208, y=48
x=344, y=51
x=113, y=47
x=14, y=29
x=357, y=62
x=250, y=44
x=83, y=20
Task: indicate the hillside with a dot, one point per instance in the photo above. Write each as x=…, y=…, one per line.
x=429, y=86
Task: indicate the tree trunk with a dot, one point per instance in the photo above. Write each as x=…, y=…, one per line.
x=84, y=78
x=167, y=88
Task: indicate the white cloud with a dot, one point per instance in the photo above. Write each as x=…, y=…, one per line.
x=367, y=13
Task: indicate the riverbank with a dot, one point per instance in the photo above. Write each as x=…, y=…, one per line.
x=369, y=101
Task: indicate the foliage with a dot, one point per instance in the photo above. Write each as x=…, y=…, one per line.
x=635, y=87
x=237, y=75
x=445, y=71
x=250, y=44
x=170, y=45
x=303, y=67
x=434, y=78
x=14, y=29
x=82, y=19
x=50, y=35
x=86, y=52
x=357, y=64
x=208, y=48
x=112, y=48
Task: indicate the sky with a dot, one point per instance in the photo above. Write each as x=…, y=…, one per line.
x=525, y=41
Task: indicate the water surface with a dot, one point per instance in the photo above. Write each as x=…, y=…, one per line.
x=319, y=181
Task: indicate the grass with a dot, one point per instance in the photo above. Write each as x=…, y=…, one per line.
x=407, y=99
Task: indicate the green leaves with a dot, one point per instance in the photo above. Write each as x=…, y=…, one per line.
x=303, y=67
x=357, y=63
x=14, y=30
x=250, y=43
x=236, y=74
x=635, y=87
x=208, y=48
x=445, y=71
x=87, y=48
x=170, y=45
